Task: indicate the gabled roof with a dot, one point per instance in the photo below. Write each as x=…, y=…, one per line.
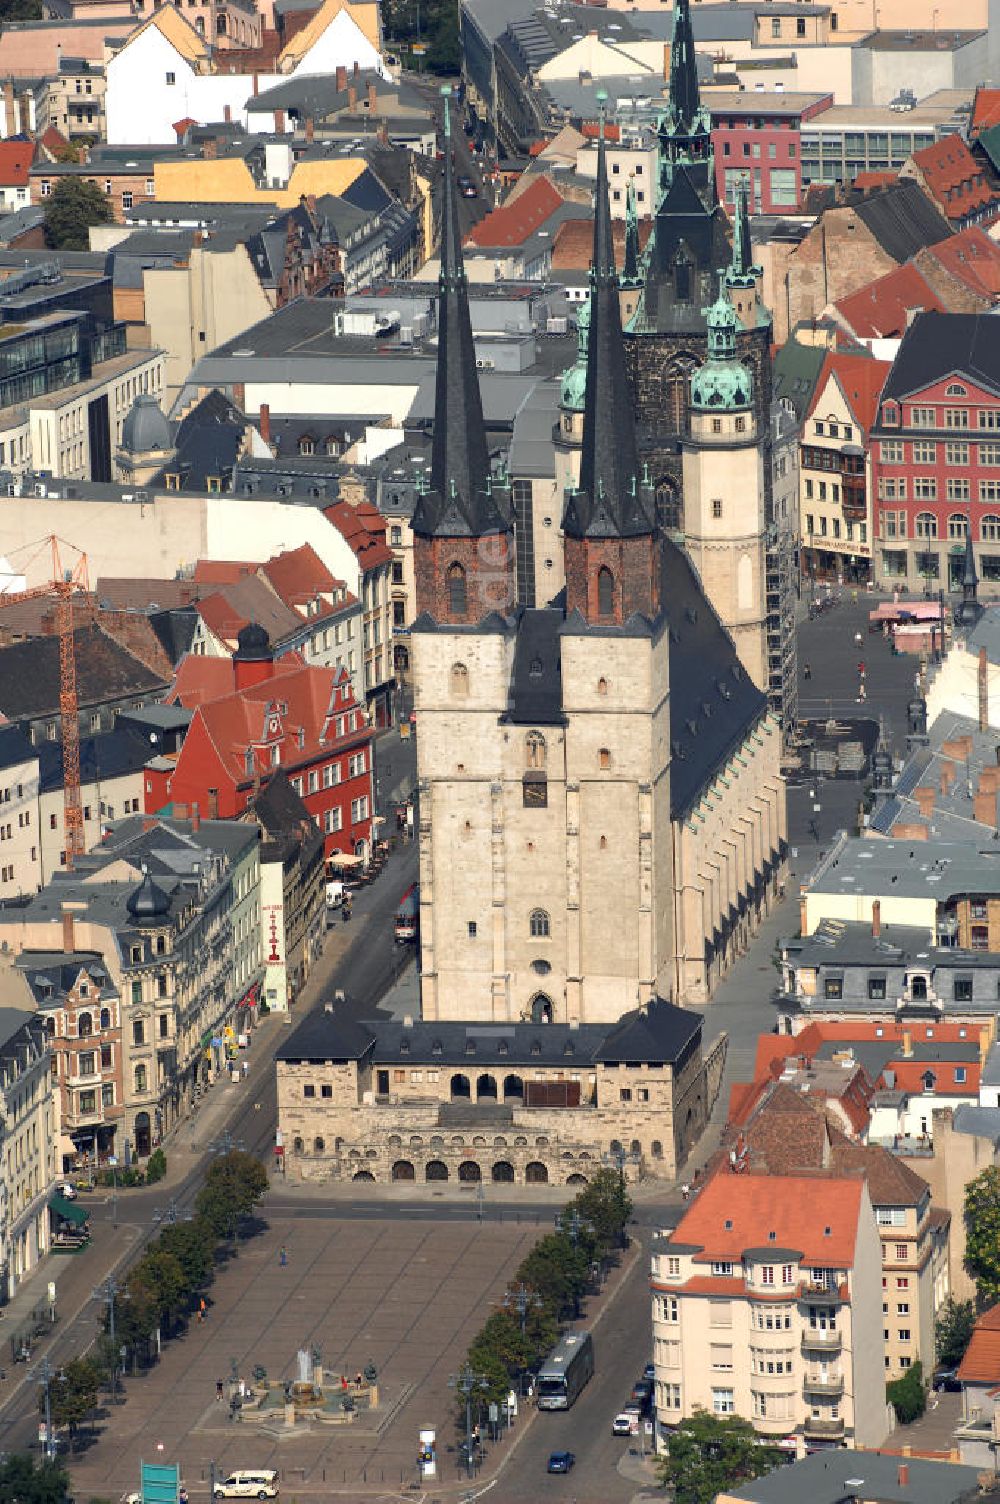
x=860, y=378
x=881, y=310
x=659, y=1032
x=363, y=529
x=513, y=223
x=235, y=606
x=279, y=808
x=953, y=176
x=307, y=36
x=297, y=575
x=573, y=243
x=985, y=110
x=16, y=157
x=105, y=671
x=937, y=344
x=981, y=1364
x=972, y=258
x=177, y=30
x=732, y=1213
x=902, y=219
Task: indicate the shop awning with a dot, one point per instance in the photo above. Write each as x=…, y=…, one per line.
x=68, y=1211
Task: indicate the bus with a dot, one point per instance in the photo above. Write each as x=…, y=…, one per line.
x=565, y=1371
x=407, y=922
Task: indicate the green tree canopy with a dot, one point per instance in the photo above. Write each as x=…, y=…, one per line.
x=73, y=206
x=191, y=1244
x=710, y=1453
x=907, y=1395
x=72, y=1394
x=953, y=1331
x=557, y=1271
x=982, y=1234
x=233, y=1185
x=25, y=1481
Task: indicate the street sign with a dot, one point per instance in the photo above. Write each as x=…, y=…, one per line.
x=160, y=1482
x=419, y=48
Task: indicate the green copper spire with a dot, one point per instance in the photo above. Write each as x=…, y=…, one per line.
x=684, y=132
x=742, y=272
x=573, y=391
x=723, y=383
x=630, y=274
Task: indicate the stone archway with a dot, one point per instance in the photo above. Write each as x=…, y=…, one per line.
x=513, y=1089
x=461, y=1091
x=542, y=1009
x=486, y=1088
x=436, y=1170
x=363, y=1175
x=503, y=1172
x=536, y=1173
x=403, y=1170
x=469, y=1171
x=143, y=1138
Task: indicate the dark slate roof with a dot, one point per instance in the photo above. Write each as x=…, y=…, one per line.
x=207, y=442
x=15, y=747
x=795, y=373
x=278, y=807
x=902, y=219
x=536, y=680
x=110, y=755
x=936, y=344
x=659, y=1032
x=366, y=192
x=105, y=671
x=50, y=974
x=175, y=628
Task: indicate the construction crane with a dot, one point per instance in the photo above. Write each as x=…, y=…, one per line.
x=63, y=583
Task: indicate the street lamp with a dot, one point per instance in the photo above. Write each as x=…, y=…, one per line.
x=466, y=1382
x=45, y=1375
x=522, y=1300
x=108, y=1293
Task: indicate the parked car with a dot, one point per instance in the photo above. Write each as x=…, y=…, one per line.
x=642, y=1390
x=649, y=1372
x=561, y=1462
x=467, y=187
x=261, y=1483
x=946, y=1379
x=67, y=1191
x=623, y=1423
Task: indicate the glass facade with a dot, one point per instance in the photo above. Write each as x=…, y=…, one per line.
x=837, y=156
x=43, y=358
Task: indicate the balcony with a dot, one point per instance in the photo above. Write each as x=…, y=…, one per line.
x=816, y=1426
x=826, y=1339
x=830, y=1385
x=819, y=1295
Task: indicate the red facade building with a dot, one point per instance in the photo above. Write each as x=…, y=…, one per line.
x=253, y=714
x=757, y=137
x=936, y=455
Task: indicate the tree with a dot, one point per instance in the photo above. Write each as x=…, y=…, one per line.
x=908, y=1395
x=982, y=1234
x=73, y=206
x=710, y=1454
x=557, y=1271
x=72, y=1394
x=606, y=1206
x=20, y=10
x=191, y=1244
x=25, y=1481
x=160, y=1274
x=232, y=1187
x=156, y=1166
x=953, y=1331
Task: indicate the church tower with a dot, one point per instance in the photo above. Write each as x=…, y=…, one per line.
x=724, y=490
x=743, y=278
x=630, y=284
x=609, y=527
x=463, y=549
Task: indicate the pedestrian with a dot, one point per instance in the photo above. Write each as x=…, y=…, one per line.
x=685, y=1190
x=246, y=1069
x=858, y=638
x=862, y=696
x=218, y=1389
x=807, y=672
x=283, y=1256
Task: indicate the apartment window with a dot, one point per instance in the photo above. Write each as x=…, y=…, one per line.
x=625, y=1094
x=956, y=452
x=671, y=1395
x=891, y=452
x=960, y=1075
x=309, y=1090
x=902, y=1252
x=670, y=1309
x=767, y=1274
x=903, y=1282
x=926, y=525
x=833, y=987
x=105, y=1057
x=923, y=417
x=722, y=1358
x=959, y=490
x=126, y=199
x=87, y=1063
x=673, y=1267
x=786, y=1274
x=925, y=489
x=472, y=929
x=717, y=506
x=956, y=417
x=904, y=1334
x=359, y=809
x=333, y=820
x=890, y=1216
x=903, y=1308
x=88, y=1101
x=924, y=453
x=723, y=1269
x=723, y=1402
x=963, y=989
x=876, y=988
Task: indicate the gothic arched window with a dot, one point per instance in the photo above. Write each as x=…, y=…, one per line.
x=605, y=592
x=457, y=594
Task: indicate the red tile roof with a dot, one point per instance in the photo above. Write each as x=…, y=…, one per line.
x=199, y=679
x=363, y=530
x=512, y=223
x=880, y=310
x=573, y=243
x=861, y=380
x=16, y=158
x=973, y=258
x=54, y=141
x=222, y=571
x=612, y=132
x=869, y=181
x=981, y=1364
x=735, y=1212
x=953, y=177
x=985, y=110
x=298, y=575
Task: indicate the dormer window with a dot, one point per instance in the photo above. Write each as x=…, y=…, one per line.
x=404, y=1046
x=436, y=1047
x=470, y=1046
x=890, y=414
x=536, y=1047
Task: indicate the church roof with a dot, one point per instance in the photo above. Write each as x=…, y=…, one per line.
x=536, y=681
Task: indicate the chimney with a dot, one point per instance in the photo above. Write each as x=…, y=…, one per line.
x=876, y=919
x=264, y=419
x=372, y=96
x=195, y=818
x=357, y=67
x=279, y=122
x=907, y=1044
x=213, y=804
x=10, y=113
x=904, y=1475
x=256, y=86
x=352, y=97
x=802, y=915
x=666, y=60
x=341, y=78
x=197, y=238
x=210, y=150
x=984, y=690
x=69, y=929
x=310, y=128
x=81, y=155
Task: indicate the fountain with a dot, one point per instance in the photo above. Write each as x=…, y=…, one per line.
x=306, y=1398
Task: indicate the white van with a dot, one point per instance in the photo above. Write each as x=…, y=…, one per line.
x=335, y=893
x=261, y=1483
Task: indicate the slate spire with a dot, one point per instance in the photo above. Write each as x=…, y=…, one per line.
x=742, y=270
x=610, y=501
x=459, y=501
x=685, y=100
